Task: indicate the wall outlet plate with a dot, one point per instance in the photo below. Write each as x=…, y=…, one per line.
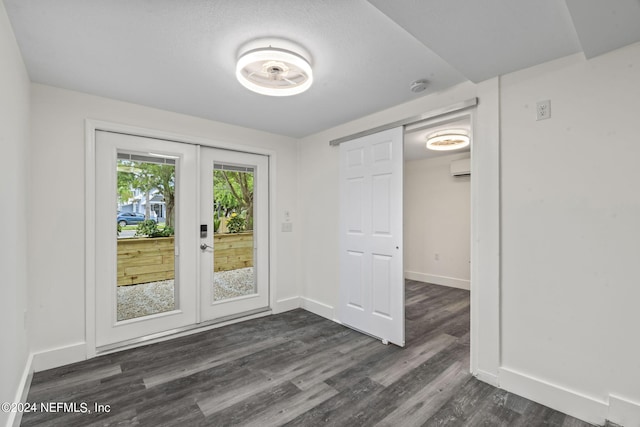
x=287, y=227
x=543, y=110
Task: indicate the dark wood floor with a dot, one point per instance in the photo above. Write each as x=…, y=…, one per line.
x=296, y=369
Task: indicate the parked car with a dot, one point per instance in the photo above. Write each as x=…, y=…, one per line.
x=128, y=218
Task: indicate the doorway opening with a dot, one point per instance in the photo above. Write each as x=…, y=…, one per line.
x=437, y=230
x=233, y=220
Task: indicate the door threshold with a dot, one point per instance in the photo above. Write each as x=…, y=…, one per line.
x=183, y=331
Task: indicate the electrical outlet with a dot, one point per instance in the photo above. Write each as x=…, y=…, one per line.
x=437, y=257
x=543, y=110
x=287, y=227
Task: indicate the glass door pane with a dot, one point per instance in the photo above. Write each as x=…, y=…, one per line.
x=233, y=272
x=146, y=195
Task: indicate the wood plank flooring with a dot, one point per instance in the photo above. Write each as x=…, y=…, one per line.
x=295, y=369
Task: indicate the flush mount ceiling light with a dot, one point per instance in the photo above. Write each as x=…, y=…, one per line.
x=448, y=140
x=274, y=71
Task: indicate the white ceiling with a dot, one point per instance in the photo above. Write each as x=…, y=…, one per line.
x=180, y=56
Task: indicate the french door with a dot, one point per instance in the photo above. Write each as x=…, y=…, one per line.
x=233, y=236
x=181, y=236
x=371, y=273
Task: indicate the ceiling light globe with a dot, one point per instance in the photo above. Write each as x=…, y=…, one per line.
x=274, y=72
x=448, y=140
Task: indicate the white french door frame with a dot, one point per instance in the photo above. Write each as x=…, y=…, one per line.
x=91, y=126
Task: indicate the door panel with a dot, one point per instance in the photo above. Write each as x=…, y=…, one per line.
x=371, y=274
x=234, y=261
x=382, y=285
x=144, y=285
x=354, y=209
x=381, y=211
x=354, y=271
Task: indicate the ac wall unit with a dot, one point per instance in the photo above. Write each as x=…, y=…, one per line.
x=461, y=167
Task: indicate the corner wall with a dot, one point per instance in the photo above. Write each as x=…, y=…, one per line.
x=57, y=224
x=570, y=236
x=14, y=140
x=437, y=221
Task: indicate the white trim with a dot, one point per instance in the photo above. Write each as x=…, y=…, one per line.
x=451, y=282
x=273, y=227
x=487, y=378
x=317, y=307
x=59, y=356
x=199, y=258
x=287, y=304
x=176, y=137
x=623, y=411
x=90, y=238
x=562, y=399
x=22, y=392
x=91, y=126
x=485, y=230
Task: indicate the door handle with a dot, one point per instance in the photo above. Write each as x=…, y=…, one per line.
x=204, y=246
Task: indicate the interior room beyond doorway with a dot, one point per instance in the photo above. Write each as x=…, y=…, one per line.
x=437, y=215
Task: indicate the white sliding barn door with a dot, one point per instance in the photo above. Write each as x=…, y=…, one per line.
x=371, y=269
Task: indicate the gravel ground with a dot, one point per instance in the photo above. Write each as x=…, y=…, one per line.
x=233, y=283
x=158, y=297
x=144, y=299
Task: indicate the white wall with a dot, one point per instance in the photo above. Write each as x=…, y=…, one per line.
x=437, y=220
x=57, y=238
x=14, y=142
x=319, y=196
x=571, y=235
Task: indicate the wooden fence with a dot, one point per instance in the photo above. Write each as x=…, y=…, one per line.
x=232, y=251
x=146, y=260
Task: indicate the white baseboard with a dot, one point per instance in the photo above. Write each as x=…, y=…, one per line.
x=23, y=391
x=318, y=308
x=554, y=396
x=623, y=411
x=59, y=356
x=451, y=282
x=487, y=377
x=287, y=304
